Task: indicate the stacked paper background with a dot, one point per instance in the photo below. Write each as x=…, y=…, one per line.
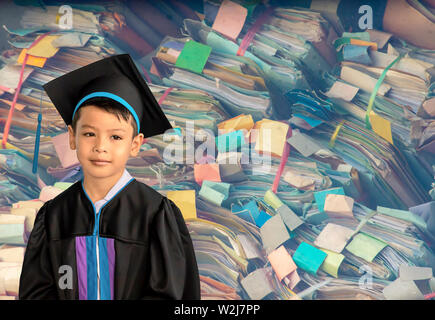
x=344, y=210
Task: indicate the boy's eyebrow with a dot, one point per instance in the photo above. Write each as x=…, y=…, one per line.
x=89, y=126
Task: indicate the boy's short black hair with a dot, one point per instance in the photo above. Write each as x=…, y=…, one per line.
x=110, y=106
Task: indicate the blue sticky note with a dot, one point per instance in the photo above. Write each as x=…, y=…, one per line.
x=358, y=54
x=230, y=141
x=312, y=122
x=235, y=208
x=320, y=196
x=262, y=218
x=309, y=258
x=244, y=214
x=253, y=209
x=248, y=212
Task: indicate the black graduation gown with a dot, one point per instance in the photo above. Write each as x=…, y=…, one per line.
x=145, y=251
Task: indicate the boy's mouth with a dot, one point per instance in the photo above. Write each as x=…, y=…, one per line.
x=100, y=162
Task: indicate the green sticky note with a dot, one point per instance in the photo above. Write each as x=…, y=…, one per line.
x=215, y=192
x=12, y=233
x=193, y=57
x=272, y=199
x=357, y=35
x=309, y=258
x=320, y=196
x=332, y=262
x=211, y=195
x=365, y=246
x=221, y=187
x=62, y=185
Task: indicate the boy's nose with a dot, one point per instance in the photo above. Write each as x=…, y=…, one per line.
x=100, y=146
x=99, y=149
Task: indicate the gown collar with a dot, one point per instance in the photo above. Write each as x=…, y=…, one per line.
x=123, y=180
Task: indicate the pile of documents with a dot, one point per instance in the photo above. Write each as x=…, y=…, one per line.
x=399, y=109
x=288, y=39
x=301, y=156
x=236, y=83
x=55, y=53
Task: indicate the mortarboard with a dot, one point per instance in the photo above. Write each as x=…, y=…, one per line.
x=117, y=78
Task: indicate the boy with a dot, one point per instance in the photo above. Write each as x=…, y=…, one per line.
x=108, y=236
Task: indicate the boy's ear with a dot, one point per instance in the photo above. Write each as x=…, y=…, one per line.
x=72, y=139
x=135, y=146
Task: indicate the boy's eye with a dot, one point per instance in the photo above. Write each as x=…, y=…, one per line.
x=90, y=134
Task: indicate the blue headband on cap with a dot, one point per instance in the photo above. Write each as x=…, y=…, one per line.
x=113, y=97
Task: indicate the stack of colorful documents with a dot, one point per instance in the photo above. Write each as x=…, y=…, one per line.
x=302, y=158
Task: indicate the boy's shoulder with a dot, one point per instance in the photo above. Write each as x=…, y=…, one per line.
x=69, y=213
x=139, y=191
x=143, y=193
x=71, y=192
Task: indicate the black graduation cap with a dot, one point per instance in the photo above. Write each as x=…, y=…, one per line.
x=117, y=78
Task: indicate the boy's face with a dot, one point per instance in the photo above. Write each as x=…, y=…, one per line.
x=100, y=135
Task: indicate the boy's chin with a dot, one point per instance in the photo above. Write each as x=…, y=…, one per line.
x=101, y=171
